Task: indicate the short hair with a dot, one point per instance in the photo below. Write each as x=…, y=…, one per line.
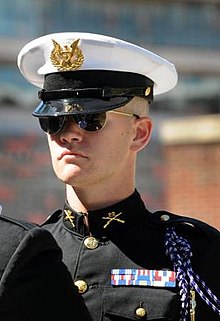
x=138, y=106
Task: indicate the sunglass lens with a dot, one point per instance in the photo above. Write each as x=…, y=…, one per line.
x=51, y=125
x=90, y=122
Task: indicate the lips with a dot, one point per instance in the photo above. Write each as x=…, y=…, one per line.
x=71, y=154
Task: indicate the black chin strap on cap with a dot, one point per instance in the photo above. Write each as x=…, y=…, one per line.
x=101, y=84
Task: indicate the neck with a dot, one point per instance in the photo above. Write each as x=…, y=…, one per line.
x=99, y=194
x=84, y=199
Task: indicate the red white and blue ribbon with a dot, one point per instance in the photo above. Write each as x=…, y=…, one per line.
x=143, y=277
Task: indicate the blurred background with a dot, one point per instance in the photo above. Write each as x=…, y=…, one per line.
x=180, y=169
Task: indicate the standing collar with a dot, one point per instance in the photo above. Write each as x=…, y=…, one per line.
x=109, y=220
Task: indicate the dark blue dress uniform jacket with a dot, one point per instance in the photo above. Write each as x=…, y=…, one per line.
x=34, y=283
x=127, y=236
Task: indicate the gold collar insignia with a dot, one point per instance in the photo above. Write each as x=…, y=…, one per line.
x=112, y=216
x=69, y=217
x=66, y=58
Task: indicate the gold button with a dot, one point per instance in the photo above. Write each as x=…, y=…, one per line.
x=91, y=243
x=81, y=285
x=165, y=218
x=140, y=312
x=147, y=91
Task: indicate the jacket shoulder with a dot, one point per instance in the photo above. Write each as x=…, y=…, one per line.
x=53, y=218
x=17, y=222
x=168, y=219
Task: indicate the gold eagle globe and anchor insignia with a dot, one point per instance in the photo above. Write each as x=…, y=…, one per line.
x=67, y=58
x=72, y=107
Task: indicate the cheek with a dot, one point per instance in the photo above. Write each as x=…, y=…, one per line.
x=126, y=138
x=119, y=146
x=52, y=149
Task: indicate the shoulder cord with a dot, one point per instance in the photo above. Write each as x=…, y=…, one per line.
x=179, y=251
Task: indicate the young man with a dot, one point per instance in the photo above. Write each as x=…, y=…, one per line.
x=34, y=282
x=128, y=263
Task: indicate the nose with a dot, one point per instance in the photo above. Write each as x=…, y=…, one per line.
x=71, y=132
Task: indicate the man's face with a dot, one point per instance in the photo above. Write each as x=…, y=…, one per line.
x=82, y=159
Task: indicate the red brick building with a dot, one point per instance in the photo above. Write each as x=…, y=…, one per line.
x=191, y=152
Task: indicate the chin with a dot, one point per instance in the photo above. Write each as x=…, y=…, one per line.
x=69, y=179
x=68, y=174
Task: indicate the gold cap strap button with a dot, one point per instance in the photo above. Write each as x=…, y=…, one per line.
x=81, y=285
x=140, y=312
x=91, y=243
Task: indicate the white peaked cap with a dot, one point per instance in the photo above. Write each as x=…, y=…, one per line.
x=99, y=53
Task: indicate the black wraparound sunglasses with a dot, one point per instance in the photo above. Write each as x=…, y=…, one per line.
x=89, y=122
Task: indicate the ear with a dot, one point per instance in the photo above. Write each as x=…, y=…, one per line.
x=142, y=133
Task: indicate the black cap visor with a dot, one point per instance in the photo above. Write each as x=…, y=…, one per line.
x=72, y=106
